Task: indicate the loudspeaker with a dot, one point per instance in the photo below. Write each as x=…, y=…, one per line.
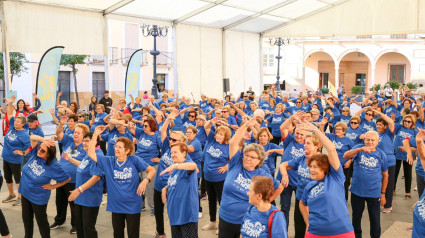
x=282, y=85
x=226, y=86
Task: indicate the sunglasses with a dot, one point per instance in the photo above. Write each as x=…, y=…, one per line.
x=224, y=111
x=298, y=102
x=408, y=121
x=245, y=96
x=368, y=114
x=172, y=139
x=41, y=150
x=354, y=122
x=191, y=116
x=80, y=116
x=344, y=111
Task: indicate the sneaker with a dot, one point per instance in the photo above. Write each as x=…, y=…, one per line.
x=152, y=212
x=143, y=208
x=216, y=232
x=200, y=215
x=9, y=199
x=56, y=225
x=210, y=226
x=415, y=189
x=73, y=230
x=159, y=236
x=387, y=210
x=203, y=196
x=410, y=228
x=17, y=202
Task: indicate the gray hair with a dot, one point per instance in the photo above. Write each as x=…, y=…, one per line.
x=372, y=132
x=257, y=149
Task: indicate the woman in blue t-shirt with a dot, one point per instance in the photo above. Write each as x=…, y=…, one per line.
x=261, y=213
x=35, y=184
x=275, y=120
x=272, y=150
x=88, y=180
x=245, y=163
x=122, y=181
x=97, y=121
x=419, y=210
x=325, y=193
x=354, y=131
x=181, y=186
x=215, y=166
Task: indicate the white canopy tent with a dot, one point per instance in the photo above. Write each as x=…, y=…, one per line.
x=212, y=39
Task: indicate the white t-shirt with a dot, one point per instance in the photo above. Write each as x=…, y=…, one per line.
x=388, y=91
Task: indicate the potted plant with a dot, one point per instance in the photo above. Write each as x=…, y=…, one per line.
x=412, y=85
x=324, y=91
x=377, y=87
x=356, y=90
x=395, y=85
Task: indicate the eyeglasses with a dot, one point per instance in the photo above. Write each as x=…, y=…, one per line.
x=42, y=151
x=338, y=129
x=172, y=139
x=354, y=122
x=199, y=119
x=224, y=111
x=80, y=116
x=250, y=157
x=298, y=102
x=191, y=116
x=408, y=121
x=369, y=114
x=118, y=147
x=145, y=125
x=344, y=111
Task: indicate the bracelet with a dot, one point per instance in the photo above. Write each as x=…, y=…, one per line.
x=80, y=189
x=149, y=180
x=383, y=193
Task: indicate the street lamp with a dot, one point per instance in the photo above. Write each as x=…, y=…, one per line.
x=154, y=31
x=279, y=42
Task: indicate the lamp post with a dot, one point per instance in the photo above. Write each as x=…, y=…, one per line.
x=279, y=42
x=160, y=31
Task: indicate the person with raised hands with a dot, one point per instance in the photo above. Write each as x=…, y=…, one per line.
x=367, y=122
x=215, y=166
x=88, y=193
x=181, y=186
x=245, y=163
x=274, y=121
x=36, y=185
x=418, y=212
x=369, y=184
x=74, y=147
x=325, y=193
x=122, y=181
x=117, y=128
x=263, y=136
x=312, y=146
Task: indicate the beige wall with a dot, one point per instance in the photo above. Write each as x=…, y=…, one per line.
x=312, y=69
x=382, y=74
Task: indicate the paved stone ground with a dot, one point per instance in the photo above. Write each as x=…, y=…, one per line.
x=393, y=224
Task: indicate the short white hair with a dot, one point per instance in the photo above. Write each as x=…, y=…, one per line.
x=260, y=113
x=374, y=133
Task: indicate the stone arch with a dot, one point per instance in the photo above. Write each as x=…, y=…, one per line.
x=318, y=50
x=343, y=54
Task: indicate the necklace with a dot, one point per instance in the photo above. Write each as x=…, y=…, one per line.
x=122, y=162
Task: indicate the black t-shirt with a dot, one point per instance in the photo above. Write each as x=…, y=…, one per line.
x=251, y=95
x=107, y=103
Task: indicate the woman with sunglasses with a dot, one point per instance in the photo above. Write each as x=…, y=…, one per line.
x=231, y=121
x=354, y=131
x=165, y=162
x=274, y=121
x=406, y=129
x=74, y=147
x=190, y=119
x=88, y=193
x=215, y=166
x=117, y=128
x=35, y=187
x=245, y=163
x=122, y=181
x=367, y=122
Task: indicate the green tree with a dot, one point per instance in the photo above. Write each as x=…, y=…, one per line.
x=17, y=67
x=72, y=61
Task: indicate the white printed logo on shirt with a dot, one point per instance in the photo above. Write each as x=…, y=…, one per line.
x=214, y=152
x=277, y=120
x=338, y=145
x=244, y=182
x=253, y=229
x=368, y=127
x=304, y=172
x=114, y=139
x=36, y=168
x=11, y=136
x=172, y=180
x=345, y=121
x=297, y=152
x=145, y=142
x=368, y=161
x=317, y=190
x=421, y=208
x=186, y=124
x=352, y=136
x=404, y=134
x=125, y=174
x=83, y=164
x=73, y=153
x=167, y=159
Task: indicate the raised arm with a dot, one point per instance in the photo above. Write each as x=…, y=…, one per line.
x=420, y=137
x=387, y=119
x=284, y=126
x=52, y=112
x=209, y=124
x=189, y=166
x=237, y=109
x=238, y=136
x=91, y=152
x=58, y=98
x=59, y=129
x=37, y=102
x=167, y=122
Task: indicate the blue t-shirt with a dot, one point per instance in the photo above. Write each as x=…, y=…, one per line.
x=148, y=147
x=255, y=224
x=419, y=169
x=304, y=177
x=401, y=133
x=386, y=144
x=35, y=174
x=15, y=140
x=216, y=155
x=275, y=120
x=328, y=212
x=196, y=156
x=342, y=145
x=37, y=131
x=234, y=199
x=368, y=125
x=419, y=218
x=76, y=152
x=354, y=135
x=270, y=160
x=91, y=197
x=182, y=186
x=164, y=162
x=201, y=135
x=122, y=181
x=367, y=173
x=111, y=137
x=292, y=150
x=98, y=121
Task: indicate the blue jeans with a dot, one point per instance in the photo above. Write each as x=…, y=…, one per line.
x=285, y=201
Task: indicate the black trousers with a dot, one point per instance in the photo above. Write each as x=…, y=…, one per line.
x=228, y=230
x=30, y=209
x=358, y=205
x=214, y=190
x=421, y=184
x=4, y=229
x=390, y=187
x=159, y=212
x=12, y=169
x=285, y=201
x=189, y=230
x=348, y=173
x=103, y=147
x=203, y=184
x=133, y=225
x=276, y=140
x=86, y=218
x=300, y=226
x=407, y=169
x=62, y=194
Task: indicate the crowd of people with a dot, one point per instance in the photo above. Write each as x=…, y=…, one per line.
x=149, y=153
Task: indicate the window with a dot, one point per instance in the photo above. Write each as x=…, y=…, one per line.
x=361, y=81
x=268, y=57
x=324, y=80
x=161, y=81
x=98, y=84
x=113, y=53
